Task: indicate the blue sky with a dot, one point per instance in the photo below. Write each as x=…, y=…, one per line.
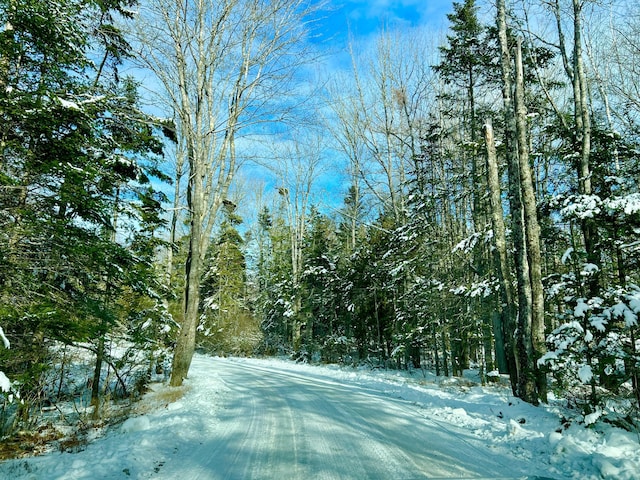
x=340, y=22
x=362, y=18
x=360, y=22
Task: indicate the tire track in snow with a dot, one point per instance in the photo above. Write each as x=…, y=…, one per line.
x=277, y=424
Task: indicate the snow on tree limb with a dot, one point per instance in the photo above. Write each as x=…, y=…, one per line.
x=5, y=383
x=4, y=338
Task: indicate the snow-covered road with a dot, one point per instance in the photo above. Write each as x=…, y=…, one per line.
x=304, y=427
x=267, y=419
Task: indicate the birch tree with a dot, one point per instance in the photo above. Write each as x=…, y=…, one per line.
x=220, y=67
x=502, y=329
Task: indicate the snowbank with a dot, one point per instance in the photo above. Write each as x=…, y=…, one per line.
x=168, y=420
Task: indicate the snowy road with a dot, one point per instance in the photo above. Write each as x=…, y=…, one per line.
x=251, y=419
x=311, y=427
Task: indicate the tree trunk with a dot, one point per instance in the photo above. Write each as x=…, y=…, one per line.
x=514, y=197
x=532, y=228
x=506, y=311
x=436, y=355
x=582, y=117
x=175, y=213
x=95, y=385
x=583, y=141
x=212, y=60
x=185, y=343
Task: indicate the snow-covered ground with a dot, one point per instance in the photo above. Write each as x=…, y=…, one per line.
x=255, y=418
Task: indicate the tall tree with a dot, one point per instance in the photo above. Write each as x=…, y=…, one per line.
x=227, y=323
x=574, y=64
x=378, y=122
x=300, y=164
x=532, y=230
x=465, y=61
x=522, y=379
x=502, y=328
x=216, y=62
x=74, y=145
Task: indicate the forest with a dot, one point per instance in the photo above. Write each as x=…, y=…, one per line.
x=189, y=175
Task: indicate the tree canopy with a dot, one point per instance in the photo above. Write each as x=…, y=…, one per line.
x=472, y=204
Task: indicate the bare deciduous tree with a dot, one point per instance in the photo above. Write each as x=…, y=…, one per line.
x=297, y=168
x=532, y=228
x=221, y=67
x=522, y=379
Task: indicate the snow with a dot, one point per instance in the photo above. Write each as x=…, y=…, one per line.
x=581, y=308
x=566, y=256
x=68, y=104
x=460, y=290
x=582, y=206
x=634, y=300
x=213, y=422
x=466, y=245
x=5, y=383
x=4, y=338
x=621, y=310
x=136, y=424
x=629, y=204
x=585, y=374
x=547, y=357
x=600, y=323
x=589, y=269
x=592, y=418
x=481, y=289
x=589, y=206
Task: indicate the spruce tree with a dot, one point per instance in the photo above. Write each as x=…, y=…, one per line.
x=74, y=146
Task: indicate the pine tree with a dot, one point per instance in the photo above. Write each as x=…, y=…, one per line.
x=466, y=62
x=73, y=145
x=228, y=324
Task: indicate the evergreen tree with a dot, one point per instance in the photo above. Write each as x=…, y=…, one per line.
x=321, y=284
x=227, y=324
x=73, y=146
x=467, y=63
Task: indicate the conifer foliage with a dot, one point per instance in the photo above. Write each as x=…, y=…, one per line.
x=77, y=159
x=489, y=215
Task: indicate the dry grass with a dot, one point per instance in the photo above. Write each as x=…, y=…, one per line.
x=159, y=396
x=47, y=437
x=27, y=444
